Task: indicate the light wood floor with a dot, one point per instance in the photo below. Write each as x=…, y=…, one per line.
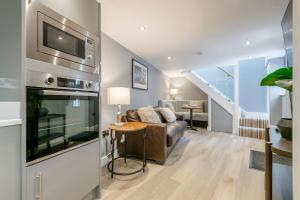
x=203, y=166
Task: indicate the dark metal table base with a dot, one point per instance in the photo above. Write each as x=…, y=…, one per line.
x=126, y=173
x=192, y=128
x=191, y=121
x=110, y=165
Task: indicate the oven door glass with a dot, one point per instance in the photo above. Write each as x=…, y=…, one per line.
x=56, y=121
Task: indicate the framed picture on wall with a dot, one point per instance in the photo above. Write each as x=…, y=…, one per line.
x=139, y=75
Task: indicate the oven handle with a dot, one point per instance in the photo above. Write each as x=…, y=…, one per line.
x=68, y=93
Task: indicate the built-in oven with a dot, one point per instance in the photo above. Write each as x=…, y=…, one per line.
x=62, y=113
x=55, y=39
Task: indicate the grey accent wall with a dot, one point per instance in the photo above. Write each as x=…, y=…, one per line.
x=253, y=97
x=10, y=50
x=117, y=71
x=186, y=89
x=10, y=165
x=275, y=93
x=221, y=120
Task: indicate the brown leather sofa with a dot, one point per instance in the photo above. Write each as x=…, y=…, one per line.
x=160, y=139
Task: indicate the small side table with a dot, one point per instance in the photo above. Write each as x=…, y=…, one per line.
x=191, y=108
x=127, y=128
x=275, y=144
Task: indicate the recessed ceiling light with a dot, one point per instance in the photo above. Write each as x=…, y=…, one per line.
x=60, y=38
x=248, y=43
x=142, y=28
x=169, y=58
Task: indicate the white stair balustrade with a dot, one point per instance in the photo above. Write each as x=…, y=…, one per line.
x=211, y=91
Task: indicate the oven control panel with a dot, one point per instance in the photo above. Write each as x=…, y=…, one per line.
x=40, y=79
x=70, y=83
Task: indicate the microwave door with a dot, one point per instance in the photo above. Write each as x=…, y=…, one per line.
x=60, y=41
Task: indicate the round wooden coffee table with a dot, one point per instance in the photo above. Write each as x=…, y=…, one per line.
x=127, y=128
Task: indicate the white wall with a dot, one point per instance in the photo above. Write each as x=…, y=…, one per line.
x=296, y=100
x=253, y=97
x=275, y=93
x=221, y=120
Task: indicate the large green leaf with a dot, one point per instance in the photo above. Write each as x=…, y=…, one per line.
x=282, y=78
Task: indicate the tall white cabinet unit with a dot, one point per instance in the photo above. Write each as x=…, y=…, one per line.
x=75, y=174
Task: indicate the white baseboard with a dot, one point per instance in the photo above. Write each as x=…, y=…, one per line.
x=272, y=126
x=105, y=159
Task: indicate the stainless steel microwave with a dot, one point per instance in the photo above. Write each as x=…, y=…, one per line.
x=57, y=40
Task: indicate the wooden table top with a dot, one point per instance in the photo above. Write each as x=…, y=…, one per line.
x=191, y=107
x=280, y=145
x=129, y=127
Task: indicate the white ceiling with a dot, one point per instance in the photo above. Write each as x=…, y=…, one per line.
x=180, y=28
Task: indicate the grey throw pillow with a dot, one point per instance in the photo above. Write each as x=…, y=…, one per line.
x=167, y=114
x=148, y=115
x=170, y=106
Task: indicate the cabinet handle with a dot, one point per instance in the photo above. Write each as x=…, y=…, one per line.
x=38, y=177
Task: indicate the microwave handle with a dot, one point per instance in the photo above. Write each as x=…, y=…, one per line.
x=68, y=93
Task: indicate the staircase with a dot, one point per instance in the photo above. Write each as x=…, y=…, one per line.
x=253, y=124
x=211, y=91
x=248, y=124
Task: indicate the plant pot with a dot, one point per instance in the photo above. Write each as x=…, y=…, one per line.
x=42, y=112
x=285, y=126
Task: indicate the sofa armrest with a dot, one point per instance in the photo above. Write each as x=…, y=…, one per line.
x=157, y=142
x=157, y=128
x=179, y=117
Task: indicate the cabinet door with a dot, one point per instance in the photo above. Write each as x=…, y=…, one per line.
x=69, y=176
x=10, y=171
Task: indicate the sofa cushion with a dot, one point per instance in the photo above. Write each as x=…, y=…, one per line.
x=196, y=116
x=148, y=115
x=177, y=104
x=162, y=119
x=170, y=106
x=167, y=114
x=174, y=132
x=133, y=116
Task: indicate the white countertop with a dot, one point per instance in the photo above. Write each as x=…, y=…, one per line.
x=10, y=113
x=10, y=122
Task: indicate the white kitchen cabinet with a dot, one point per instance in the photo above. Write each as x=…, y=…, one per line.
x=10, y=170
x=69, y=176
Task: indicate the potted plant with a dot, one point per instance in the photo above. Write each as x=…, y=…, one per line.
x=283, y=78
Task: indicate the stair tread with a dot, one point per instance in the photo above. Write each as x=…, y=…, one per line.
x=247, y=127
